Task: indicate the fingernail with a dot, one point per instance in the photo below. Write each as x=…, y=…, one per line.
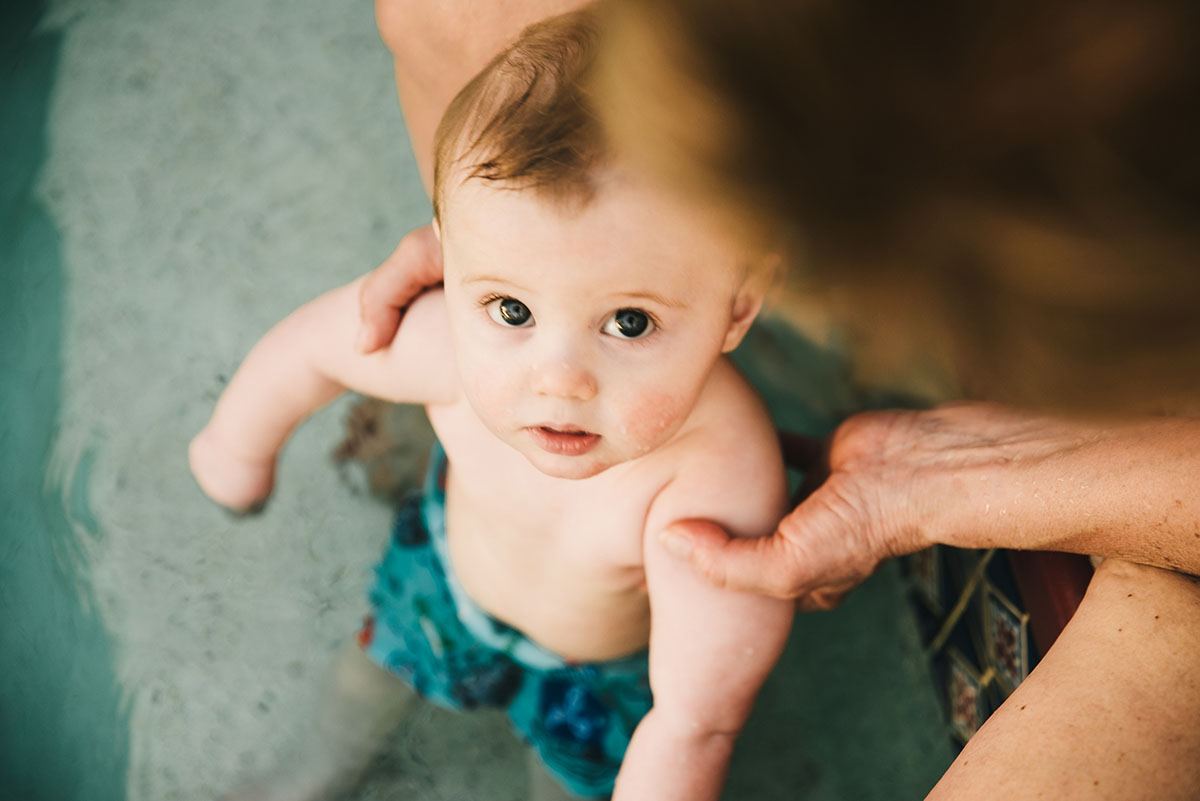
x=676, y=544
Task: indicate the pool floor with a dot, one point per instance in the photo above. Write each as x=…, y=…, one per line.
x=176, y=177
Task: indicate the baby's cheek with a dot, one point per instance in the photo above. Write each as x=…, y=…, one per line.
x=652, y=417
x=490, y=394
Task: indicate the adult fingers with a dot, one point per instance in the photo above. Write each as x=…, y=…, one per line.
x=762, y=565
x=414, y=265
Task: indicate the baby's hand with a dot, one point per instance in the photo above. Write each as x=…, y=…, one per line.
x=237, y=483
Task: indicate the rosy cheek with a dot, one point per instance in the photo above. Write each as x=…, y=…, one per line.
x=652, y=417
x=491, y=392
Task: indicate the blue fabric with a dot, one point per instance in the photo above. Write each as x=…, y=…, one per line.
x=426, y=630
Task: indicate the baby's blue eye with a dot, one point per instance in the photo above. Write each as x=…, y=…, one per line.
x=629, y=324
x=509, y=311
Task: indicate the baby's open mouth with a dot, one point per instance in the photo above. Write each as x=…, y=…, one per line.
x=564, y=440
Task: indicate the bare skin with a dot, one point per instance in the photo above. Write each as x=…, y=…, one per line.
x=838, y=537
x=438, y=47
x=972, y=476
x=1110, y=712
x=568, y=438
x=979, y=475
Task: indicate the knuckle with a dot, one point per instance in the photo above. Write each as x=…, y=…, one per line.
x=866, y=434
x=856, y=426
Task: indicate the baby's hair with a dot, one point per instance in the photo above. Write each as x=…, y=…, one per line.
x=524, y=121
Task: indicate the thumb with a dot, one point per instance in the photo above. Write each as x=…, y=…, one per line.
x=414, y=266
x=377, y=327
x=754, y=564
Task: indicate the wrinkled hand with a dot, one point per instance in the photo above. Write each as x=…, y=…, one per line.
x=896, y=482
x=836, y=537
x=239, y=484
x=414, y=265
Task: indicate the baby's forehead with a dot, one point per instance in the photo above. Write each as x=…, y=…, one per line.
x=568, y=182
x=620, y=240
x=614, y=198
x=568, y=195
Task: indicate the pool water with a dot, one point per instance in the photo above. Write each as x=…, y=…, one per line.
x=175, y=177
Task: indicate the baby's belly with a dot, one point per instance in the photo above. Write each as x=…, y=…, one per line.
x=561, y=594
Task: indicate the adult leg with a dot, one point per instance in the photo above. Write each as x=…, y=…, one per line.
x=1113, y=709
x=360, y=705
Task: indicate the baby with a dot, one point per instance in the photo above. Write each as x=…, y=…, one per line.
x=572, y=369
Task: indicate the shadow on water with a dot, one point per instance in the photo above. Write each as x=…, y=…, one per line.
x=62, y=733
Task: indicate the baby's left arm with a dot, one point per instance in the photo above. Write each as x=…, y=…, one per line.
x=710, y=649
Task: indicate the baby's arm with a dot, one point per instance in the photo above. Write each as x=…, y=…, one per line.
x=710, y=649
x=300, y=365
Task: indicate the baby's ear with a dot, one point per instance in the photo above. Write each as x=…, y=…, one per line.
x=437, y=229
x=749, y=300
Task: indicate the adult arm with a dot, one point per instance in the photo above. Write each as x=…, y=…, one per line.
x=974, y=476
x=438, y=46
x=301, y=364
x=1109, y=712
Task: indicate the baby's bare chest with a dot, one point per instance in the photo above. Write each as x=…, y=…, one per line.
x=495, y=494
x=559, y=559
x=593, y=526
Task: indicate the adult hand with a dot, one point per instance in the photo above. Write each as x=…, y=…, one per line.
x=857, y=501
x=971, y=475
x=415, y=265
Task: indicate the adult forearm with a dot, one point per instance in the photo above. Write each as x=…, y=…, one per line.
x=666, y=762
x=438, y=47
x=1129, y=490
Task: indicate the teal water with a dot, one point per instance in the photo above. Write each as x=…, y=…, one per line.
x=62, y=734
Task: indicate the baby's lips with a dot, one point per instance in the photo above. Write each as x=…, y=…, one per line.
x=566, y=443
x=562, y=428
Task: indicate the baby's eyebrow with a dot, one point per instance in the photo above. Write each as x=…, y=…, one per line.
x=654, y=297
x=491, y=279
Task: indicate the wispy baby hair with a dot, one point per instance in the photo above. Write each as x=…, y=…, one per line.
x=525, y=120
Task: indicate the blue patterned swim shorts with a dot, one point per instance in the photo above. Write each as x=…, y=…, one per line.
x=426, y=630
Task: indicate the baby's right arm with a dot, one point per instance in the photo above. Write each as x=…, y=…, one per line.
x=303, y=363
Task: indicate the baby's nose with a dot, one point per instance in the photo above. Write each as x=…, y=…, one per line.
x=564, y=378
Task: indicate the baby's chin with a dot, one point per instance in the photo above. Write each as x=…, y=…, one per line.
x=572, y=468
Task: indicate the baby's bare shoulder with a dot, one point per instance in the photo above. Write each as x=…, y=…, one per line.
x=421, y=362
x=729, y=466
x=730, y=415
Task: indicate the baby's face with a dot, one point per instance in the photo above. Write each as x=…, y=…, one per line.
x=584, y=337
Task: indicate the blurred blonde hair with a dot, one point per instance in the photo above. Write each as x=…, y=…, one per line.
x=1009, y=188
